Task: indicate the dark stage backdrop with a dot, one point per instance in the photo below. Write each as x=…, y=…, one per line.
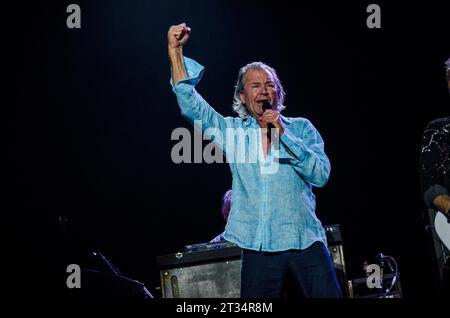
x=93, y=112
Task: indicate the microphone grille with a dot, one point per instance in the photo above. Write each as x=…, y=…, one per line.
x=266, y=105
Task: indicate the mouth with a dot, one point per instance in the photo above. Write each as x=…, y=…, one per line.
x=260, y=102
x=264, y=104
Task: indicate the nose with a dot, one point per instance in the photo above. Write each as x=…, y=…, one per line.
x=264, y=90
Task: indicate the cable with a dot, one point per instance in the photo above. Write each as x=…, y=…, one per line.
x=394, y=272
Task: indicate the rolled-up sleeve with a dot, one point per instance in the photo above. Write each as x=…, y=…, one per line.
x=194, y=108
x=311, y=162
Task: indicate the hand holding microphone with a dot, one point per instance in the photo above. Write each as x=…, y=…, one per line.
x=272, y=117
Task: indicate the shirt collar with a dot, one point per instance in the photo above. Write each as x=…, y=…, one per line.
x=249, y=120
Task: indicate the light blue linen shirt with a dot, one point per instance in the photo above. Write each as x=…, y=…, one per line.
x=273, y=206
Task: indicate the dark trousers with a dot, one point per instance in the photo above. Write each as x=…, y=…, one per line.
x=308, y=272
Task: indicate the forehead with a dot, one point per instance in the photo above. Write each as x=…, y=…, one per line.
x=258, y=75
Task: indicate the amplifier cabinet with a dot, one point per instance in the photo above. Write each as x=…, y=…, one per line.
x=214, y=270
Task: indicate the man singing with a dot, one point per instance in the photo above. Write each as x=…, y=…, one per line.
x=273, y=210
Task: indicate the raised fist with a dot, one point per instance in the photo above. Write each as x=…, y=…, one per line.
x=178, y=35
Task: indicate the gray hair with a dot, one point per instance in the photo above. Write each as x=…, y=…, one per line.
x=238, y=106
x=447, y=64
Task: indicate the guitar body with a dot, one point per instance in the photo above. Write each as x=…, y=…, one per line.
x=442, y=229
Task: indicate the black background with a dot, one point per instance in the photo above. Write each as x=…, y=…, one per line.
x=93, y=112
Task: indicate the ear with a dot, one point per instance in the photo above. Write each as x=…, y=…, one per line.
x=241, y=97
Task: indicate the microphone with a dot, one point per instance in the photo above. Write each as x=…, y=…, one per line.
x=267, y=105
